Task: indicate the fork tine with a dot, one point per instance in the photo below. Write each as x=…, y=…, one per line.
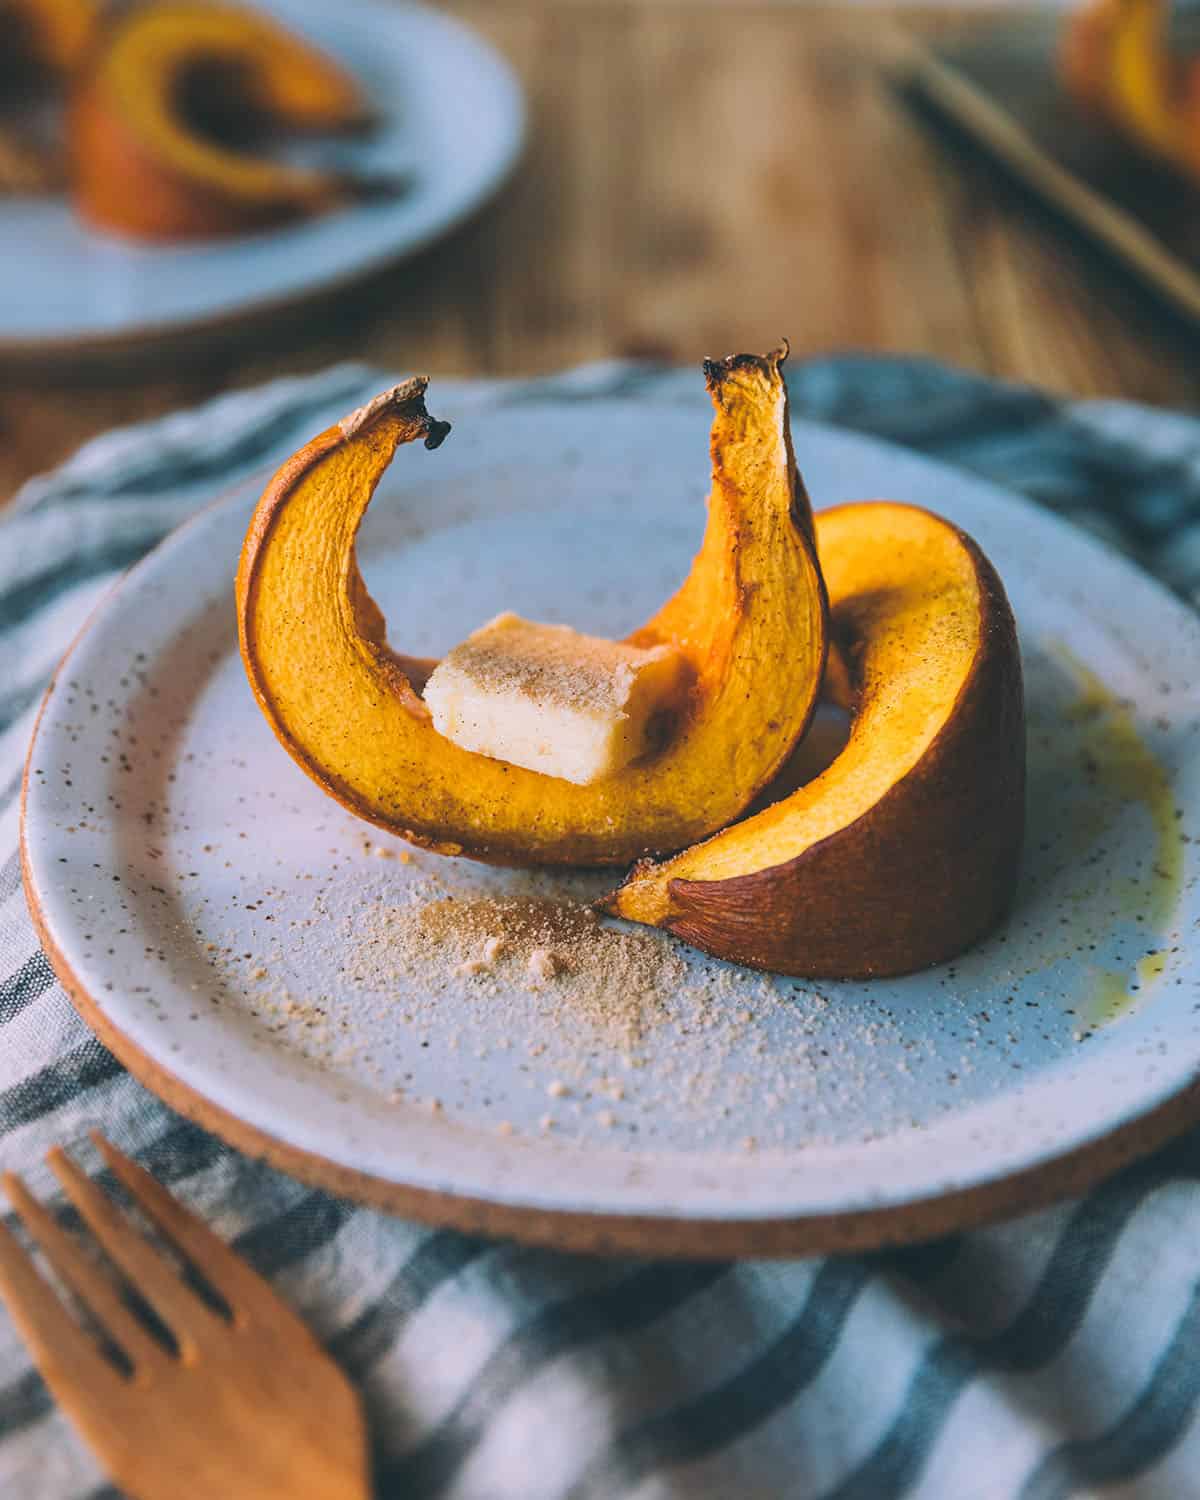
x=61, y=1350
x=243, y=1288
x=180, y=1309
x=84, y=1277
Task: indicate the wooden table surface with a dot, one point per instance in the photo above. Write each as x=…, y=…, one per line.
x=702, y=177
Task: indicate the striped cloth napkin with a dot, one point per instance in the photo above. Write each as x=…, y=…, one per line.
x=1051, y=1357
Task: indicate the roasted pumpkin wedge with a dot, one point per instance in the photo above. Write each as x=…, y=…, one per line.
x=151, y=113
x=906, y=848
x=750, y=620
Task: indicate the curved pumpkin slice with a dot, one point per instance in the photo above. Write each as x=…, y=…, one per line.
x=905, y=849
x=750, y=621
x=143, y=162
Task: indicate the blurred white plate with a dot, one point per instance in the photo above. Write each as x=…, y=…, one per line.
x=452, y=113
x=190, y=883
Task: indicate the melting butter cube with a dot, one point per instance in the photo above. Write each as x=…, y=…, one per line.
x=551, y=700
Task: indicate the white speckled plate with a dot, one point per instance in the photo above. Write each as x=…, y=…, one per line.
x=452, y=115
x=225, y=927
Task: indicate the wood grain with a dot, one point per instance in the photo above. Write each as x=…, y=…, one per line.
x=701, y=178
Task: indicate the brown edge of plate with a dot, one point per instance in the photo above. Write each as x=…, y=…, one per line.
x=602, y=1233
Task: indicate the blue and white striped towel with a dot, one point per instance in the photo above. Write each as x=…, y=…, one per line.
x=1055, y=1356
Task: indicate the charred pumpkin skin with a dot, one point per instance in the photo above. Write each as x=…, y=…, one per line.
x=916, y=877
x=140, y=169
x=750, y=620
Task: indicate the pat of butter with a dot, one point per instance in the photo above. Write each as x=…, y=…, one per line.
x=551, y=700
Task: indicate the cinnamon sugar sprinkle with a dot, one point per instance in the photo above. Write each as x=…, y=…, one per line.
x=518, y=1006
x=611, y=982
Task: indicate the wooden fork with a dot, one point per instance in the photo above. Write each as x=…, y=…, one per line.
x=244, y=1405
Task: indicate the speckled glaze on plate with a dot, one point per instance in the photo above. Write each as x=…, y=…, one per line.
x=452, y=115
x=205, y=903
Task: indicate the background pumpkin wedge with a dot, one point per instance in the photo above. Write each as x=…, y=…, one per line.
x=750, y=620
x=148, y=112
x=906, y=848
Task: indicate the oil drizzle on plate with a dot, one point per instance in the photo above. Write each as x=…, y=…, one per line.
x=1119, y=762
x=1114, y=994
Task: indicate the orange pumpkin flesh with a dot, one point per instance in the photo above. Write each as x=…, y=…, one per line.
x=750, y=620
